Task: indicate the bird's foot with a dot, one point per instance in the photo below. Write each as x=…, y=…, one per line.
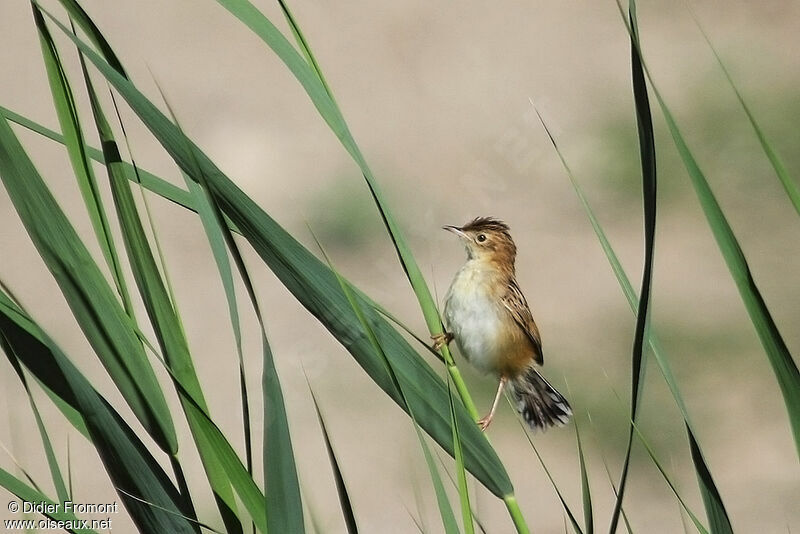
x=484, y=422
x=440, y=340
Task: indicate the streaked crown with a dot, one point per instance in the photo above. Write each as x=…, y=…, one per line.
x=488, y=238
x=487, y=224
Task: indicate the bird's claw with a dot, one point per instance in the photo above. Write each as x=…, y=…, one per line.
x=440, y=340
x=484, y=422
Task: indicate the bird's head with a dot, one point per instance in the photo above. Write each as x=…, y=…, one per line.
x=486, y=238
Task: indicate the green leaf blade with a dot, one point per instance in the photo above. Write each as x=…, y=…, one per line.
x=647, y=154
x=316, y=288
x=99, y=314
x=341, y=488
x=780, y=359
x=163, y=315
x=130, y=466
x=66, y=111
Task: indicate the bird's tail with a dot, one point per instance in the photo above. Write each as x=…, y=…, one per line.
x=539, y=402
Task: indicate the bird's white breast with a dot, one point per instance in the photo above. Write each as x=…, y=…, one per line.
x=473, y=317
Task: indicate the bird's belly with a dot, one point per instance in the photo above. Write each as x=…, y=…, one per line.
x=476, y=325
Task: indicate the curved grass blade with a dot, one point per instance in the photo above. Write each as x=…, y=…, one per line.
x=129, y=464
x=454, y=483
x=445, y=510
x=283, y=498
x=161, y=311
x=310, y=77
x=711, y=496
x=651, y=453
x=66, y=111
x=282, y=489
x=216, y=241
x=718, y=519
x=70, y=413
x=283, y=502
x=588, y=519
x=52, y=462
x=29, y=494
x=789, y=185
x=197, y=523
x=341, y=488
x=647, y=152
x=99, y=314
x=66, y=409
x=148, y=180
x=461, y=475
x=221, y=449
x=568, y=511
x=784, y=367
x=414, y=519
x=304, y=48
x=614, y=489
x=317, y=289
x=77, y=13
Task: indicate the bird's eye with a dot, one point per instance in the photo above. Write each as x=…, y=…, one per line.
x=481, y=238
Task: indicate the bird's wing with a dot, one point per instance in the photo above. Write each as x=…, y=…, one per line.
x=514, y=301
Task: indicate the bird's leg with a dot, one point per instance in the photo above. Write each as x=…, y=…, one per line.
x=440, y=340
x=484, y=422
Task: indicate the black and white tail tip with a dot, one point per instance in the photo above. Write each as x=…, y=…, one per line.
x=539, y=403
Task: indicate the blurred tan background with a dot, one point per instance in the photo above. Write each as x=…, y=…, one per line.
x=437, y=94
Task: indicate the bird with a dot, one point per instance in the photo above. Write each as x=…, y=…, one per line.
x=487, y=315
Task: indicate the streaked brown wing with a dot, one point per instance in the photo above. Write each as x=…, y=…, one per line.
x=514, y=301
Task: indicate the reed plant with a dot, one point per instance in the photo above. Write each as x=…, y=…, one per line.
x=136, y=441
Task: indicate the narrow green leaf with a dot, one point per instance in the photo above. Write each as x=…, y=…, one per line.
x=706, y=482
x=789, y=185
x=163, y=315
x=70, y=413
x=216, y=240
x=283, y=502
x=66, y=110
x=454, y=483
x=575, y=525
x=69, y=468
x=651, y=453
x=719, y=522
x=588, y=519
x=647, y=154
x=416, y=521
x=219, y=447
x=614, y=489
x=47, y=444
x=29, y=494
x=99, y=314
x=146, y=179
x=309, y=74
x=317, y=289
x=77, y=13
x=304, y=48
x=130, y=466
x=445, y=510
x=341, y=488
x=784, y=367
x=282, y=489
x=461, y=475
x=310, y=77
x=197, y=523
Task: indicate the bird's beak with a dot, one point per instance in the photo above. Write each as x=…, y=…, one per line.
x=456, y=230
